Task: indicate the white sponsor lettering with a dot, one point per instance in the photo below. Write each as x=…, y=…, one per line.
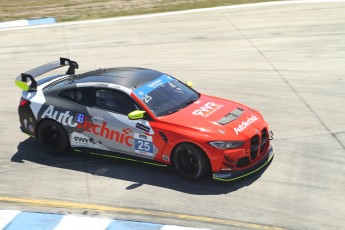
x=155, y=83
x=62, y=117
x=207, y=109
x=245, y=124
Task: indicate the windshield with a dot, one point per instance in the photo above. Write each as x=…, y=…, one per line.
x=166, y=95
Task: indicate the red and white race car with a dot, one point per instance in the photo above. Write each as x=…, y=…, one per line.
x=144, y=114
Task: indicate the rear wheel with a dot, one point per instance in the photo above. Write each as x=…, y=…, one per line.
x=190, y=162
x=53, y=137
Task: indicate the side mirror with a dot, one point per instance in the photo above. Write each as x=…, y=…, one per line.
x=189, y=84
x=137, y=114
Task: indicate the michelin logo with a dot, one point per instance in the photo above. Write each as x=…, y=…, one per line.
x=245, y=124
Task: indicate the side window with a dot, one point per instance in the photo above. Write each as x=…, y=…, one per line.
x=115, y=101
x=84, y=96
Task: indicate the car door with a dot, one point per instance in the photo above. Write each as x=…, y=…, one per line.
x=115, y=131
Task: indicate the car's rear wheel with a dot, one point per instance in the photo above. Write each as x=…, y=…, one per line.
x=53, y=137
x=190, y=161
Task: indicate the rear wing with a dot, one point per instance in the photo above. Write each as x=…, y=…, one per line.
x=22, y=79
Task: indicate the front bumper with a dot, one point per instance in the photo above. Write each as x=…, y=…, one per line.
x=230, y=176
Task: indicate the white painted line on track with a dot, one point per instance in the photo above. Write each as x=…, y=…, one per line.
x=6, y=217
x=143, y=16
x=71, y=222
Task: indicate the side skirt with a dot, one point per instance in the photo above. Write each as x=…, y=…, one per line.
x=119, y=156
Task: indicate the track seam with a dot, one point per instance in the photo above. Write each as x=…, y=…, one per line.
x=286, y=82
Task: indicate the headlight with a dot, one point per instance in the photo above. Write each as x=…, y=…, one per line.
x=226, y=144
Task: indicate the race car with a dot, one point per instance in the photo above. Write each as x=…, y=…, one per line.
x=143, y=114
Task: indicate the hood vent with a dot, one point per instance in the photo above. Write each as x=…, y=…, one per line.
x=236, y=113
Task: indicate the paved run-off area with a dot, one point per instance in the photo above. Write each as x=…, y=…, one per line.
x=287, y=61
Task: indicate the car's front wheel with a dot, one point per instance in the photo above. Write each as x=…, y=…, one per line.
x=190, y=161
x=53, y=137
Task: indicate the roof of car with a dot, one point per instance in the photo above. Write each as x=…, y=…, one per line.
x=130, y=77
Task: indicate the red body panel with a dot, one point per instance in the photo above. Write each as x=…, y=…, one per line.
x=197, y=124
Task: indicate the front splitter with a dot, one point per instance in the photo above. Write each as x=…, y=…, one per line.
x=231, y=176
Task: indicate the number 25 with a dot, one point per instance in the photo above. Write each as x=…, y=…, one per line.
x=146, y=98
x=143, y=145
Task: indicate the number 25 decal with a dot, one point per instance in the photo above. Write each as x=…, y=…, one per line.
x=144, y=146
x=146, y=98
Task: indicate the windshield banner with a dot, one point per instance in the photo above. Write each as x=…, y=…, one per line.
x=150, y=86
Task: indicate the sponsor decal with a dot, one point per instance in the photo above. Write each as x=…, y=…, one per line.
x=78, y=139
x=165, y=158
x=123, y=137
x=245, y=124
x=155, y=84
x=103, y=84
x=79, y=118
x=81, y=140
x=62, y=117
x=143, y=144
x=25, y=123
x=143, y=127
x=141, y=136
x=207, y=109
x=222, y=175
x=144, y=90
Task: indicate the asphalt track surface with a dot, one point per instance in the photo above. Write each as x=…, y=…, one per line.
x=286, y=60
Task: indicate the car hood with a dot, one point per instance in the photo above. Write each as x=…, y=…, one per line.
x=218, y=117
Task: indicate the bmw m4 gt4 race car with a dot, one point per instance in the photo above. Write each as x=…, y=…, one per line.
x=143, y=114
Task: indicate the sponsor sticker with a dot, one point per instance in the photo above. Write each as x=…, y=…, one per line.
x=150, y=86
x=141, y=136
x=245, y=124
x=165, y=158
x=79, y=118
x=143, y=127
x=222, y=175
x=207, y=109
x=62, y=117
x=103, y=84
x=103, y=130
x=143, y=144
x=79, y=139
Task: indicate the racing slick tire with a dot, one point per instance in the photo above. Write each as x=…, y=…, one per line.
x=190, y=162
x=53, y=137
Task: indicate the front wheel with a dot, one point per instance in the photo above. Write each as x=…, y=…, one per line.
x=190, y=162
x=53, y=137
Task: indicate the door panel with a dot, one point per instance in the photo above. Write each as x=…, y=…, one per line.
x=118, y=133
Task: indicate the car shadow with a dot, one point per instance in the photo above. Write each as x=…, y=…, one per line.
x=138, y=173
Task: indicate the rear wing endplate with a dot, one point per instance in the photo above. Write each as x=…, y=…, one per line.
x=22, y=79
